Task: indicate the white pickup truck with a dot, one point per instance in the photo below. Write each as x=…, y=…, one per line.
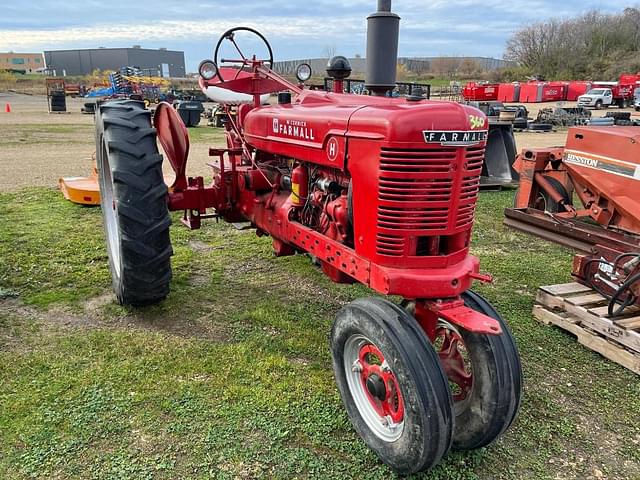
x=636, y=99
x=596, y=97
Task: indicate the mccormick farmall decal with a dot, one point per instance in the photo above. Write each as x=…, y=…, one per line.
x=293, y=129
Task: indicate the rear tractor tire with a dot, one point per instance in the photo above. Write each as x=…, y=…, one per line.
x=392, y=385
x=133, y=198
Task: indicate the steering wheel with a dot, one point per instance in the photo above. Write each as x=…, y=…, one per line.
x=229, y=35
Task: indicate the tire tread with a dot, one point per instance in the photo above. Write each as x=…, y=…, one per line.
x=140, y=196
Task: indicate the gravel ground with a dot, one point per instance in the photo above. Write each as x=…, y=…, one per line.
x=37, y=148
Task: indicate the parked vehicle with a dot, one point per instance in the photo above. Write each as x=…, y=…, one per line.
x=597, y=98
x=636, y=99
x=605, y=95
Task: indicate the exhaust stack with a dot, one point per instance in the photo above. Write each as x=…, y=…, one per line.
x=383, y=28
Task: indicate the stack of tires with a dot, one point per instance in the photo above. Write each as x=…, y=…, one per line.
x=622, y=119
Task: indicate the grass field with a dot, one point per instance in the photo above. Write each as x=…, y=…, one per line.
x=230, y=377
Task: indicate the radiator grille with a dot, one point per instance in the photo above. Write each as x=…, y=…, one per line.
x=392, y=245
x=416, y=193
x=474, y=157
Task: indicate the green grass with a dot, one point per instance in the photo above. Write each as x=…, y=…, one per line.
x=204, y=134
x=231, y=377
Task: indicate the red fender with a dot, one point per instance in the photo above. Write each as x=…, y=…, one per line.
x=174, y=138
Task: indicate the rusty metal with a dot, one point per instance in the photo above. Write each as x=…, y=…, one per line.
x=602, y=166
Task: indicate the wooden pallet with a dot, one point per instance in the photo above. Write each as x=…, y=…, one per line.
x=583, y=312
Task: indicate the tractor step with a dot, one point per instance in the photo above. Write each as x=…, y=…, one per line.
x=583, y=312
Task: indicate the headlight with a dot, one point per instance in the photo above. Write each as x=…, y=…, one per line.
x=303, y=72
x=207, y=69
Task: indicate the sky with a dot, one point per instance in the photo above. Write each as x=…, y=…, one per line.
x=298, y=29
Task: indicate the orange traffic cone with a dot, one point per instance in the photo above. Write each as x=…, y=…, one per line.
x=7, y=108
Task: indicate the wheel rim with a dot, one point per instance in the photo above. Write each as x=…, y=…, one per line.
x=374, y=388
x=109, y=209
x=455, y=360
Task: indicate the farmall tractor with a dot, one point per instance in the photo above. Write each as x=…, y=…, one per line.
x=380, y=191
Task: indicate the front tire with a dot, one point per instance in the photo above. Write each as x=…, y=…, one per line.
x=391, y=384
x=491, y=404
x=133, y=197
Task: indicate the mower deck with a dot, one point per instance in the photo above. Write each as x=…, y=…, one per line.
x=85, y=190
x=81, y=190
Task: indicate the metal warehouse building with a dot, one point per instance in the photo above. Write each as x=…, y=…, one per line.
x=161, y=62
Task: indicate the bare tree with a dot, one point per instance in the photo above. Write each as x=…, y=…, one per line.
x=329, y=51
x=469, y=67
x=593, y=45
x=445, y=66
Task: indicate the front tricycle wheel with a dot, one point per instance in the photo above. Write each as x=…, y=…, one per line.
x=391, y=384
x=484, y=374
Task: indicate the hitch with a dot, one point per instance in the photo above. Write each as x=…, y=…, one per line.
x=194, y=200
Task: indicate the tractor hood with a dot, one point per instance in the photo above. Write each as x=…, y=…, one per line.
x=316, y=125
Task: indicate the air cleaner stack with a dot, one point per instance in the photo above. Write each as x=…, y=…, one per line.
x=383, y=29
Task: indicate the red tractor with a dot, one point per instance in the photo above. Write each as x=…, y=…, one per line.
x=380, y=191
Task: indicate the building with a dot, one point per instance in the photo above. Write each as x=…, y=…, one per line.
x=21, y=62
x=161, y=62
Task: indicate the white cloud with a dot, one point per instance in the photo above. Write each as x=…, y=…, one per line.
x=295, y=29
x=185, y=30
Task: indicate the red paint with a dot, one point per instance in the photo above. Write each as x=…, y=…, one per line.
x=299, y=185
x=555, y=91
x=629, y=78
x=577, y=88
x=413, y=202
x=619, y=91
x=449, y=344
x=481, y=92
x=509, y=92
x=601, y=165
x=535, y=92
x=614, y=148
x=174, y=138
x=372, y=359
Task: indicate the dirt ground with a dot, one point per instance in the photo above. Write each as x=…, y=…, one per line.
x=37, y=148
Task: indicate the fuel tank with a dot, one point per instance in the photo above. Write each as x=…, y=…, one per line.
x=607, y=161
